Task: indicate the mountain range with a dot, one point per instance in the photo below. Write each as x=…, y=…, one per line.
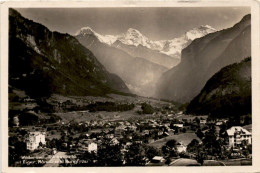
x=203, y=58
x=162, y=52
x=42, y=62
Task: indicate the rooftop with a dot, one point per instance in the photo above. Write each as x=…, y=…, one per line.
x=233, y=129
x=158, y=158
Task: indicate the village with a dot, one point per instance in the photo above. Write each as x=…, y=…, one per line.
x=171, y=139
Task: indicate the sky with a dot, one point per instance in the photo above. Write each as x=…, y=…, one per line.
x=156, y=23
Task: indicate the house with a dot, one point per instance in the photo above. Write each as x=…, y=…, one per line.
x=132, y=128
x=167, y=134
x=127, y=145
x=109, y=136
x=114, y=141
x=150, y=140
x=237, y=134
x=158, y=159
x=181, y=147
x=160, y=133
x=138, y=142
x=178, y=125
x=145, y=132
x=119, y=131
x=180, y=113
x=203, y=121
x=219, y=123
x=127, y=123
x=92, y=147
x=34, y=140
x=87, y=145
x=167, y=125
x=54, y=151
x=211, y=121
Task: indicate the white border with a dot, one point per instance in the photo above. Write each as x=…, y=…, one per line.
x=61, y=4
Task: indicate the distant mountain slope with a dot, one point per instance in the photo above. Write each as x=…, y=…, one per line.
x=139, y=74
x=228, y=92
x=203, y=58
x=42, y=62
x=153, y=56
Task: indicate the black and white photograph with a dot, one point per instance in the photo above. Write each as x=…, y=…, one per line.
x=135, y=86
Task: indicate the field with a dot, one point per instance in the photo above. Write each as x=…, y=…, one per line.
x=185, y=138
x=82, y=116
x=184, y=162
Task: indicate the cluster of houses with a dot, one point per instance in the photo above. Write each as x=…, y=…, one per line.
x=146, y=129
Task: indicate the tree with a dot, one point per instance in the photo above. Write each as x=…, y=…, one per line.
x=150, y=152
x=193, y=146
x=233, y=121
x=40, y=144
x=109, y=155
x=26, y=119
x=136, y=155
x=18, y=149
x=54, y=143
x=200, y=155
x=171, y=143
x=88, y=159
x=248, y=119
x=169, y=148
x=176, y=130
x=147, y=109
x=200, y=134
x=211, y=144
x=223, y=133
x=197, y=120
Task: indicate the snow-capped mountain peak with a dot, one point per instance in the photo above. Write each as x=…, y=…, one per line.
x=132, y=30
x=199, y=32
x=174, y=47
x=108, y=39
x=85, y=30
x=133, y=37
x=207, y=27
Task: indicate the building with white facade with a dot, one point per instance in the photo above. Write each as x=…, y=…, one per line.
x=203, y=121
x=178, y=125
x=158, y=159
x=92, y=147
x=237, y=134
x=181, y=147
x=35, y=139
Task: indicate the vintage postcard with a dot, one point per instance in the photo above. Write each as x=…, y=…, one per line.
x=130, y=86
